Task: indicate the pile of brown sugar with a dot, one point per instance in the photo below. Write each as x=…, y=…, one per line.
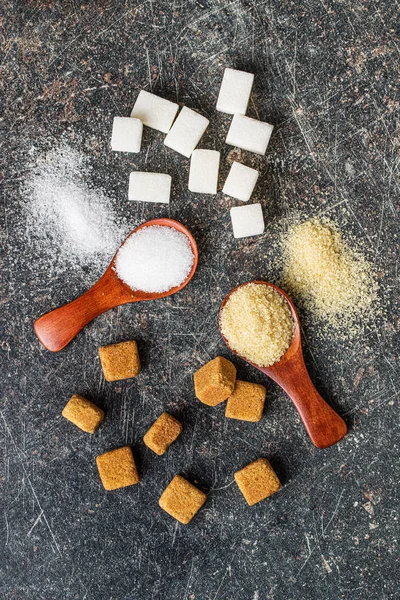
x=257, y=323
x=326, y=276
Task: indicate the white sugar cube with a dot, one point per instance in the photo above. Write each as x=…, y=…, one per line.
x=149, y=187
x=126, y=134
x=249, y=134
x=247, y=220
x=235, y=92
x=203, y=174
x=154, y=112
x=186, y=132
x=240, y=182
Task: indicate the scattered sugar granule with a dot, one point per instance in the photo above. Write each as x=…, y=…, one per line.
x=235, y=91
x=73, y=223
x=155, y=259
x=257, y=323
x=154, y=112
x=326, y=275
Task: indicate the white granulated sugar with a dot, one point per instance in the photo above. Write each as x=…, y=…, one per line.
x=149, y=187
x=155, y=259
x=203, y=174
x=247, y=220
x=186, y=132
x=154, y=112
x=235, y=92
x=240, y=182
x=72, y=223
x=126, y=134
x=249, y=134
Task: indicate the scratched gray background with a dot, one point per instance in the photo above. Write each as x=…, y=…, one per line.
x=326, y=76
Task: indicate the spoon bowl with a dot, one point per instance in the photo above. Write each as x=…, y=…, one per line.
x=324, y=426
x=58, y=327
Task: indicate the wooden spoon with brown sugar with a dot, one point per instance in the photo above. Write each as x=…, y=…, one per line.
x=324, y=426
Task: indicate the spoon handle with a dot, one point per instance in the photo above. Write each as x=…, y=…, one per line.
x=324, y=426
x=58, y=327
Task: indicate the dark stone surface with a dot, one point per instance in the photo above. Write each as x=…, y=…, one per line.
x=326, y=76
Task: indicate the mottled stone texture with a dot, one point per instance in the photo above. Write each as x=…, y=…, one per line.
x=326, y=77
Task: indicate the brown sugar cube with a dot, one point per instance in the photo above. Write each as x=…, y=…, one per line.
x=246, y=402
x=181, y=499
x=257, y=481
x=162, y=433
x=83, y=413
x=117, y=468
x=214, y=381
x=120, y=361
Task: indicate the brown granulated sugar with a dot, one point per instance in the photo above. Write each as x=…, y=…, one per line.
x=246, y=402
x=162, y=433
x=257, y=323
x=328, y=277
x=83, y=413
x=257, y=481
x=182, y=500
x=120, y=361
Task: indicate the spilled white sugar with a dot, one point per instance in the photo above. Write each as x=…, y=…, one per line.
x=67, y=218
x=155, y=259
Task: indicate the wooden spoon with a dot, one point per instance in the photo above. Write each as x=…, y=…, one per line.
x=57, y=328
x=324, y=426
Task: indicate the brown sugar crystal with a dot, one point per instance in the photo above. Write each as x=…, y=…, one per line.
x=215, y=381
x=162, y=433
x=120, y=361
x=83, y=413
x=246, y=402
x=117, y=468
x=257, y=481
x=182, y=500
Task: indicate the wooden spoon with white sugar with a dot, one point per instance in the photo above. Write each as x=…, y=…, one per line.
x=57, y=328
